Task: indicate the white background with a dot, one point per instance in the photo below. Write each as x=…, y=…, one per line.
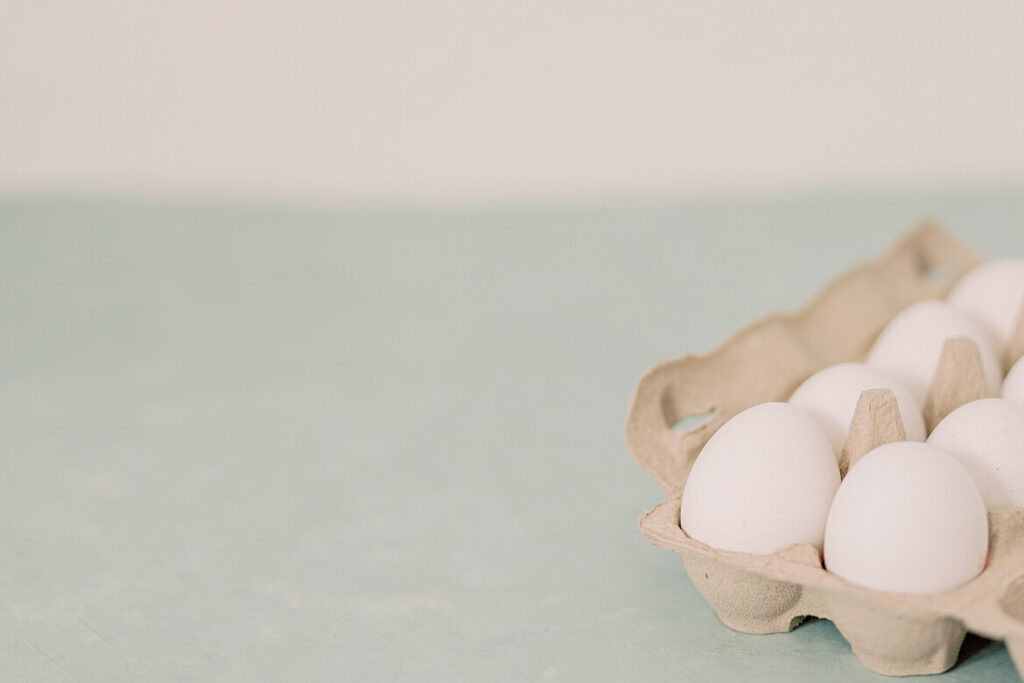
x=480, y=100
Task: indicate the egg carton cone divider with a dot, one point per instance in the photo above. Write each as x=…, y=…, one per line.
x=890, y=633
x=1015, y=347
x=959, y=379
x=876, y=421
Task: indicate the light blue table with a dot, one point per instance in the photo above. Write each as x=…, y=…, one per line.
x=245, y=444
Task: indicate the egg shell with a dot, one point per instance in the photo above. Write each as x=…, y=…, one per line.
x=830, y=397
x=993, y=294
x=762, y=482
x=907, y=518
x=909, y=347
x=987, y=437
x=1013, y=385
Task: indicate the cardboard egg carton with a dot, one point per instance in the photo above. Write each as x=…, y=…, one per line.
x=895, y=634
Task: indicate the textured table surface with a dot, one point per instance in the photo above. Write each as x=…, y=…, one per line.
x=244, y=444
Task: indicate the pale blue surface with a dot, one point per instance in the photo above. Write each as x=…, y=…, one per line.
x=244, y=444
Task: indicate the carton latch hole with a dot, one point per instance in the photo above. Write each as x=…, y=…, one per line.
x=935, y=273
x=688, y=423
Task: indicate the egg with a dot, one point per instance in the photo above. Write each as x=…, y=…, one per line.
x=830, y=396
x=907, y=518
x=993, y=293
x=1013, y=385
x=909, y=347
x=987, y=437
x=762, y=482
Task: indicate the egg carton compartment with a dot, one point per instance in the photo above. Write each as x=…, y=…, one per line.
x=890, y=633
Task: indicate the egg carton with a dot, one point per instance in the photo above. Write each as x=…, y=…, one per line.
x=890, y=633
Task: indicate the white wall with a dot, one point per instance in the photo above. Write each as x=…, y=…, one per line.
x=483, y=99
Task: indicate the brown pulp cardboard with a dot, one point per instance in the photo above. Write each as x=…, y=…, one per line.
x=890, y=633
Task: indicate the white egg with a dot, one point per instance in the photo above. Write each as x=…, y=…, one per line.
x=1013, y=385
x=831, y=395
x=987, y=437
x=993, y=293
x=907, y=519
x=909, y=347
x=762, y=482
